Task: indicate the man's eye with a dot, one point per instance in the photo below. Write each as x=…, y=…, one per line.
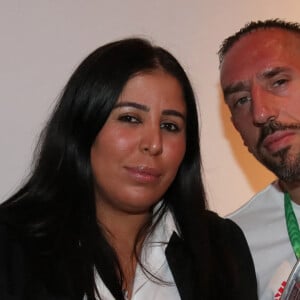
x=241, y=101
x=169, y=127
x=280, y=82
x=129, y=119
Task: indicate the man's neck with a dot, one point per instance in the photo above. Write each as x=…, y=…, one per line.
x=293, y=188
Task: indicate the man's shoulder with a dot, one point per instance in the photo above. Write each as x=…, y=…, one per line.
x=266, y=198
x=260, y=209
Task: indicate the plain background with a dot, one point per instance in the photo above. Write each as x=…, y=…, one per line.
x=42, y=41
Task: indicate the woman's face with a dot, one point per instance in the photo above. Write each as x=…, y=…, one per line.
x=136, y=155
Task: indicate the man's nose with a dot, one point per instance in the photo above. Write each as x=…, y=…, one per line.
x=265, y=106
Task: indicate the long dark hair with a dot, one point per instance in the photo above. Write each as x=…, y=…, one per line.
x=55, y=208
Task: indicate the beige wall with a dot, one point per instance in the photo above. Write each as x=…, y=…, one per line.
x=43, y=40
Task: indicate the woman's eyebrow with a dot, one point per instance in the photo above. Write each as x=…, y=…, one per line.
x=166, y=112
x=132, y=104
x=173, y=112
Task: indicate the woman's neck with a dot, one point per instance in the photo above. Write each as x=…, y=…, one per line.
x=121, y=230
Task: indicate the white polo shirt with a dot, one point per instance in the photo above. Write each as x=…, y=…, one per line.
x=263, y=221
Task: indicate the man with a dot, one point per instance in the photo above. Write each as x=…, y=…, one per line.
x=260, y=79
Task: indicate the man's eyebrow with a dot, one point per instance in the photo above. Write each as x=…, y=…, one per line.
x=132, y=104
x=271, y=72
x=172, y=112
x=235, y=87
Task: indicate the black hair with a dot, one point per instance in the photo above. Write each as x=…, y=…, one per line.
x=55, y=208
x=253, y=26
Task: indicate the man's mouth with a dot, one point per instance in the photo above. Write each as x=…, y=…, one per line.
x=278, y=140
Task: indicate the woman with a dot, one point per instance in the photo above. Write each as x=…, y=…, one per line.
x=115, y=206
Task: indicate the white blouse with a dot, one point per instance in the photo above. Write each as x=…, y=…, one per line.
x=154, y=260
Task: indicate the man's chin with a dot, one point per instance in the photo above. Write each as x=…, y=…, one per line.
x=285, y=168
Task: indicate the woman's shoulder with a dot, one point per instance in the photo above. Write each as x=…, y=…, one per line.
x=223, y=231
x=11, y=248
x=10, y=236
x=12, y=262
x=222, y=224
x=230, y=248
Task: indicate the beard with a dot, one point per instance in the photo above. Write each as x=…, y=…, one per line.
x=285, y=164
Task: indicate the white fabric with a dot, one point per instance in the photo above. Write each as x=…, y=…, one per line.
x=154, y=259
x=263, y=221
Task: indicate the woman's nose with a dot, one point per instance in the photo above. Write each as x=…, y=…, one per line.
x=151, y=142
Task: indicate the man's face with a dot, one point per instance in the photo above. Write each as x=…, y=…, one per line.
x=260, y=78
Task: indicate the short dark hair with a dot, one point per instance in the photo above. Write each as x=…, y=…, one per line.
x=253, y=26
x=55, y=208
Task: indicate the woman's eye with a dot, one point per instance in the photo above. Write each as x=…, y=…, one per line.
x=129, y=119
x=170, y=127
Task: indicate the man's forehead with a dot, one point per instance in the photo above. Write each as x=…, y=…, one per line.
x=264, y=38
x=258, y=52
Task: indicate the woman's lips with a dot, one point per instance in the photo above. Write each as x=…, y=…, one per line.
x=278, y=140
x=144, y=174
